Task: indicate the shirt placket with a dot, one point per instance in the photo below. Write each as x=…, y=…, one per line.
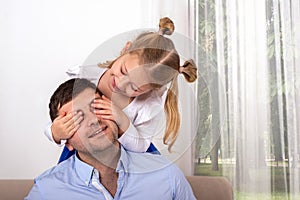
x=96, y=183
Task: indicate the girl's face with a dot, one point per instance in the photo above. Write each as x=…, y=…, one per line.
x=128, y=77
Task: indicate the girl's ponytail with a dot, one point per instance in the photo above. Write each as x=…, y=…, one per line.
x=166, y=26
x=189, y=71
x=172, y=114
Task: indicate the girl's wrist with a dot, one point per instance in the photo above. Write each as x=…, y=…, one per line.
x=124, y=125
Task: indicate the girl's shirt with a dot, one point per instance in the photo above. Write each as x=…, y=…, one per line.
x=145, y=112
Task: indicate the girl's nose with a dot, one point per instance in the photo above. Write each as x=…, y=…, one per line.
x=123, y=82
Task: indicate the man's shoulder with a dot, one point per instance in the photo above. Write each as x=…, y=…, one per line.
x=147, y=162
x=157, y=169
x=56, y=172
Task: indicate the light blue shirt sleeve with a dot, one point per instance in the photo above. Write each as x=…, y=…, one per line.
x=34, y=193
x=181, y=187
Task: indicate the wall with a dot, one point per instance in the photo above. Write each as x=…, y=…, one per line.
x=39, y=40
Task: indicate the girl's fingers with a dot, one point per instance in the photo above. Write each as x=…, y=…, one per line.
x=103, y=112
x=60, y=116
x=105, y=98
x=75, y=120
x=78, y=118
x=107, y=117
x=71, y=130
x=68, y=117
x=101, y=105
x=102, y=101
x=69, y=123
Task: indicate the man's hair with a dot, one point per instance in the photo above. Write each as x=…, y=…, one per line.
x=66, y=92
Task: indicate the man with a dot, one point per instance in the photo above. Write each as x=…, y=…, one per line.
x=102, y=168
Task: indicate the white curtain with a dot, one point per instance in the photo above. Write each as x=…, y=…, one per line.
x=249, y=95
x=182, y=14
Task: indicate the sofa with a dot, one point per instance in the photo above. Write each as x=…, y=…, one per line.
x=204, y=188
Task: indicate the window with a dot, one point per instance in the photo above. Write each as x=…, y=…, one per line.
x=248, y=96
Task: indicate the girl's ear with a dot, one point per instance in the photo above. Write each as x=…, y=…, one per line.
x=127, y=45
x=70, y=147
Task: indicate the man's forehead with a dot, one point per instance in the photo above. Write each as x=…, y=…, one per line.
x=82, y=100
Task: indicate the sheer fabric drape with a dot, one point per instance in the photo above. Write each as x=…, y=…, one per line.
x=182, y=13
x=250, y=52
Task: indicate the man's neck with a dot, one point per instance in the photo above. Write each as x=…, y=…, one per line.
x=105, y=163
x=108, y=177
x=107, y=158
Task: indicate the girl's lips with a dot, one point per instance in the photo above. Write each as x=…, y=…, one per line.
x=113, y=83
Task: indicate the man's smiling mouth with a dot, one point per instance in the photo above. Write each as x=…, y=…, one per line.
x=99, y=131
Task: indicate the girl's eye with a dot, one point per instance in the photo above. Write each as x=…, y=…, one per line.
x=123, y=70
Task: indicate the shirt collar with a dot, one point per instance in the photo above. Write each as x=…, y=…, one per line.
x=84, y=171
x=123, y=164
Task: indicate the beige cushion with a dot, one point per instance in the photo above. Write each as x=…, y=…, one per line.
x=14, y=189
x=204, y=188
x=211, y=188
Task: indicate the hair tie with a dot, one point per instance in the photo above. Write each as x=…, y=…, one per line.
x=181, y=68
x=166, y=26
x=160, y=32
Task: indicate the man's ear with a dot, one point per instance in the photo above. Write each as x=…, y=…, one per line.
x=70, y=147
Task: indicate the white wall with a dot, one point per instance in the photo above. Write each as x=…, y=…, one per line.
x=39, y=40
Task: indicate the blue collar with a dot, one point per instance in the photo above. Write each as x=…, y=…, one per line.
x=85, y=171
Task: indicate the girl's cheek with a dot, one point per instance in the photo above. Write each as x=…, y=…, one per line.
x=131, y=93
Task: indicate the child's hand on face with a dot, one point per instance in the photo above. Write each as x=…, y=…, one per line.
x=65, y=125
x=105, y=109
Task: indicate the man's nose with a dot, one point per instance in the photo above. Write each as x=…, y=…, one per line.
x=93, y=120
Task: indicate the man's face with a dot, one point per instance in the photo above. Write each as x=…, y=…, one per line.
x=93, y=135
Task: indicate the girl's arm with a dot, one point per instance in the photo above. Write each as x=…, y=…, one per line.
x=138, y=137
x=148, y=122
x=61, y=128
x=137, y=133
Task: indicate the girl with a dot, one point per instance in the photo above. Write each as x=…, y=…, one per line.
x=133, y=85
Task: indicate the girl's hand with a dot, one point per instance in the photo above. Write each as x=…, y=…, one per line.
x=65, y=125
x=105, y=109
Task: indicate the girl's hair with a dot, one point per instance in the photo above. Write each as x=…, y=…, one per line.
x=158, y=54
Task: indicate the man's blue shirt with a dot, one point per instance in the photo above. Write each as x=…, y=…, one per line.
x=141, y=176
